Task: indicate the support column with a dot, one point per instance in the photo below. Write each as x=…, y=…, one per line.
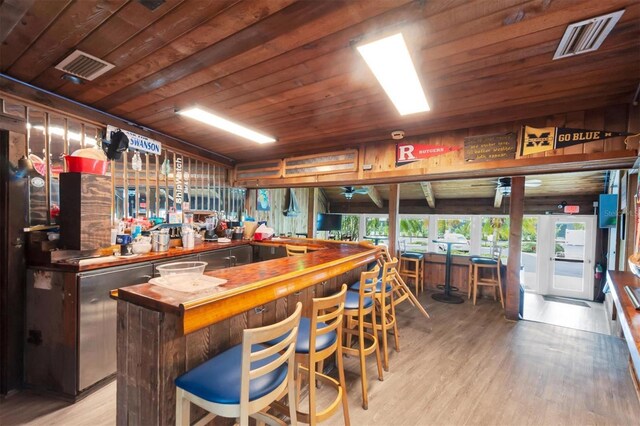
x=516, y=214
x=312, y=212
x=394, y=220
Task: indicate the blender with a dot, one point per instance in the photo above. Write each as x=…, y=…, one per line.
x=211, y=222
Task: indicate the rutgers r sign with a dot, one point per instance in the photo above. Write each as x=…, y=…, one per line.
x=410, y=152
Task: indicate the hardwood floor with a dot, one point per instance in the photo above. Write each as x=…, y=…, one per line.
x=467, y=365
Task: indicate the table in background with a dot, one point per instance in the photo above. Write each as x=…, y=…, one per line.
x=376, y=238
x=447, y=297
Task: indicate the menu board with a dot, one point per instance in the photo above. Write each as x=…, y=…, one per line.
x=490, y=147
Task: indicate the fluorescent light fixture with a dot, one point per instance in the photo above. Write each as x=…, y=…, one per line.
x=226, y=125
x=391, y=63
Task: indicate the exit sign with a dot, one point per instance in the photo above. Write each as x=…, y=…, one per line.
x=572, y=209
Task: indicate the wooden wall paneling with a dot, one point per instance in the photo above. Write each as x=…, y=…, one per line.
x=616, y=119
x=516, y=213
x=594, y=119
x=575, y=120
x=275, y=218
x=220, y=336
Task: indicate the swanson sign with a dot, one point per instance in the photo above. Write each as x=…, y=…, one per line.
x=139, y=142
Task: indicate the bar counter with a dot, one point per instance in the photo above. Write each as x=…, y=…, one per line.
x=629, y=317
x=162, y=333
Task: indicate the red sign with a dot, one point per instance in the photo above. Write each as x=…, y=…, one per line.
x=410, y=152
x=572, y=209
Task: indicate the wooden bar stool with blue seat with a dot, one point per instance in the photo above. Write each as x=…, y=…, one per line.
x=245, y=379
x=412, y=267
x=472, y=258
x=356, y=307
x=493, y=265
x=325, y=329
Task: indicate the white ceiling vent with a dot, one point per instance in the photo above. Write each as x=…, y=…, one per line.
x=84, y=65
x=586, y=36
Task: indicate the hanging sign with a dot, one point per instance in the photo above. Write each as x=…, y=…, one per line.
x=548, y=138
x=139, y=142
x=410, y=152
x=177, y=195
x=490, y=147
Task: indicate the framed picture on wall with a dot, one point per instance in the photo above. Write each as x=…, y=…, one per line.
x=262, y=200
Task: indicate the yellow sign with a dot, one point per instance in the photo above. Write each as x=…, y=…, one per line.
x=537, y=140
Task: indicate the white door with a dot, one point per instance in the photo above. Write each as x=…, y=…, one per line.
x=572, y=254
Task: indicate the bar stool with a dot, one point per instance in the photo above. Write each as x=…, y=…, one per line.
x=356, y=307
x=325, y=329
x=385, y=307
x=245, y=379
x=412, y=267
x=494, y=281
x=470, y=279
x=295, y=250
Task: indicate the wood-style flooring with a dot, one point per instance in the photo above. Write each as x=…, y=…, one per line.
x=467, y=365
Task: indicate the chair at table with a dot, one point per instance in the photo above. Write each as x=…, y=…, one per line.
x=245, y=379
x=491, y=265
x=472, y=258
x=325, y=329
x=412, y=267
x=295, y=250
x=357, y=307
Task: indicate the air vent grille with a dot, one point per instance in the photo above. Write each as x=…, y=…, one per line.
x=586, y=36
x=83, y=65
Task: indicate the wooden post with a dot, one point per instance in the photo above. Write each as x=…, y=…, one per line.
x=312, y=212
x=516, y=213
x=394, y=221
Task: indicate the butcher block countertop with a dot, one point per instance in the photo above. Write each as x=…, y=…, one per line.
x=629, y=317
x=252, y=285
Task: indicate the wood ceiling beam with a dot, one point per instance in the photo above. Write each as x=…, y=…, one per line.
x=427, y=190
x=497, y=200
x=375, y=196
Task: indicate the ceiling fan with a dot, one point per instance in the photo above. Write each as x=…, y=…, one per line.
x=348, y=191
x=504, y=184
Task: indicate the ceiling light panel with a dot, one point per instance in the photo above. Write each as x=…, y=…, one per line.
x=226, y=125
x=390, y=62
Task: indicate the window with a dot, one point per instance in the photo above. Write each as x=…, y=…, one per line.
x=350, y=226
x=494, y=232
x=414, y=234
x=377, y=229
x=456, y=230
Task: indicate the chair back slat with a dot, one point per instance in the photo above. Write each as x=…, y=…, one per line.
x=389, y=270
x=257, y=336
x=295, y=250
x=329, y=310
x=368, y=281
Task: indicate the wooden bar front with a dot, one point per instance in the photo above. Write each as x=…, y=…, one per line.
x=629, y=317
x=163, y=333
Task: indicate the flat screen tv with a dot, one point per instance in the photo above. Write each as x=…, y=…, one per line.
x=329, y=222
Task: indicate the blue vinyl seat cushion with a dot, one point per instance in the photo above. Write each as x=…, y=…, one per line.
x=474, y=257
x=304, y=334
x=352, y=301
x=356, y=286
x=484, y=261
x=218, y=380
x=412, y=255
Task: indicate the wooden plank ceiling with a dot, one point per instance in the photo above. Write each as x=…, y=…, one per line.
x=289, y=68
x=553, y=185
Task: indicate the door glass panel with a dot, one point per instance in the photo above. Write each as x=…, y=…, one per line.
x=529, y=256
x=569, y=257
x=37, y=178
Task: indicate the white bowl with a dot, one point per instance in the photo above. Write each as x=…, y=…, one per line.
x=141, y=248
x=179, y=270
